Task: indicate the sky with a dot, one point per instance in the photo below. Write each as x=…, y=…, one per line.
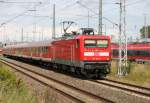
x=33, y=18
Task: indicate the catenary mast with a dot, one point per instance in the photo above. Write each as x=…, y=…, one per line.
x=100, y=18
x=122, y=63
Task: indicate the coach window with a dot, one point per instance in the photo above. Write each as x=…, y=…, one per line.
x=132, y=52
x=31, y=50
x=140, y=53
x=42, y=50
x=146, y=52
x=115, y=52
x=128, y=52
x=46, y=49
x=136, y=53
x=102, y=43
x=77, y=43
x=34, y=50
x=39, y=50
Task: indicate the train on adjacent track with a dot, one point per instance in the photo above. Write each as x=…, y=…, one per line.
x=85, y=54
x=139, y=51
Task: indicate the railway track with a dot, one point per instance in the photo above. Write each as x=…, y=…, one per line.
x=134, y=89
x=111, y=94
x=73, y=93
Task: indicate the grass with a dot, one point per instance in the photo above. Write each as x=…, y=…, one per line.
x=139, y=74
x=13, y=90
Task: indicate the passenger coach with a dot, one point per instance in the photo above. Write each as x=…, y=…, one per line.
x=139, y=52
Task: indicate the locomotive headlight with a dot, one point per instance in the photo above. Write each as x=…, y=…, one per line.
x=104, y=54
x=88, y=53
x=96, y=53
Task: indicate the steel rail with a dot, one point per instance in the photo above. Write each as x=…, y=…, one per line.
x=127, y=84
x=141, y=91
x=88, y=94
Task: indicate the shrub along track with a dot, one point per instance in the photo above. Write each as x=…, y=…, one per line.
x=73, y=93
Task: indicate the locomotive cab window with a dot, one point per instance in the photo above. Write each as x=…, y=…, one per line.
x=96, y=43
x=89, y=43
x=102, y=43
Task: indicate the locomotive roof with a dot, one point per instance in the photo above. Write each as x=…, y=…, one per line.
x=86, y=33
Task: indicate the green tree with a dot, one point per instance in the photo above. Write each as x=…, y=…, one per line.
x=142, y=31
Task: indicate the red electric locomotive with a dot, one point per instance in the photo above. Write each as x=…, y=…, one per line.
x=85, y=53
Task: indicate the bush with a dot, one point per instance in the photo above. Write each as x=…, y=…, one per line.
x=13, y=90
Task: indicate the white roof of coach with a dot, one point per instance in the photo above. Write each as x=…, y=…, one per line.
x=30, y=44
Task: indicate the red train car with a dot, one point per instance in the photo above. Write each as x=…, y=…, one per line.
x=86, y=54
x=115, y=50
x=136, y=51
x=139, y=52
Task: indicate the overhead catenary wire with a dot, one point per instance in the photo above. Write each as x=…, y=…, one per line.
x=96, y=13
x=7, y=21
x=16, y=2
x=21, y=14
x=129, y=4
